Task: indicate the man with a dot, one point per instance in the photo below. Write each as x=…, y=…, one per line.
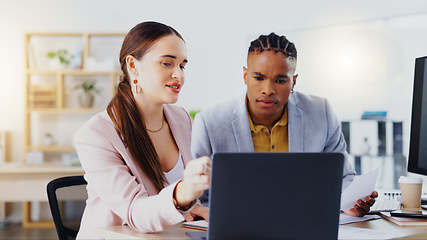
x=271, y=117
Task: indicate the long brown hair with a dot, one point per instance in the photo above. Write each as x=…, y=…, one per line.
x=123, y=110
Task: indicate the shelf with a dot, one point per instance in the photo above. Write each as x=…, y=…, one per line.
x=50, y=84
x=19, y=168
x=72, y=72
x=75, y=34
x=375, y=156
x=48, y=34
x=53, y=148
x=53, y=107
x=65, y=110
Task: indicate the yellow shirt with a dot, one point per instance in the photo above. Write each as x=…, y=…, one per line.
x=276, y=141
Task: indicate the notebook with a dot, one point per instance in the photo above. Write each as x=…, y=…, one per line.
x=274, y=196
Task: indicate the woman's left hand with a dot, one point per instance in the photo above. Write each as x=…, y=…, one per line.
x=362, y=207
x=197, y=211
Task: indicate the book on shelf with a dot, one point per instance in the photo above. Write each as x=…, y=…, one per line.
x=375, y=115
x=404, y=221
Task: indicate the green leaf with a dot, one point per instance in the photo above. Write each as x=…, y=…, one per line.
x=62, y=54
x=87, y=86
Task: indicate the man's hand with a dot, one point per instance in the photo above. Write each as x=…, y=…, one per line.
x=362, y=207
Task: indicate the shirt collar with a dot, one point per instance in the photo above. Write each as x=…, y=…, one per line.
x=283, y=121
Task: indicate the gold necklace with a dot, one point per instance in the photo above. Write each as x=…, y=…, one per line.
x=154, y=131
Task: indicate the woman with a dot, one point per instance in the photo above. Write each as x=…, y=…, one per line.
x=134, y=153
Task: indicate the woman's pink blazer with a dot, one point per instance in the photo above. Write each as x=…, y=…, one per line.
x=119, y=192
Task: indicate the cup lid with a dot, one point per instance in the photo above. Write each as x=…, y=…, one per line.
x=404, y=179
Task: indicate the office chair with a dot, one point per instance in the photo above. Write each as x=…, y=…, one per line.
x=63, y=191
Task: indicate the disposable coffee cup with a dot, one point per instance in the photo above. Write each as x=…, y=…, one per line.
x=411, y=189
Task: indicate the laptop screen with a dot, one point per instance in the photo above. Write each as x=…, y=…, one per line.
x=275, y=195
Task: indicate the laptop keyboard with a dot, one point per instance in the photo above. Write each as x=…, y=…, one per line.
x=385, y=205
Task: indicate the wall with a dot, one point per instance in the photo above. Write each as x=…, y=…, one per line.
x=217, y=35
x=359, y=58
x=365, y=66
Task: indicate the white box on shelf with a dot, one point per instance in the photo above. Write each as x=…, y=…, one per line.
x=35, y=157
x=70, y=160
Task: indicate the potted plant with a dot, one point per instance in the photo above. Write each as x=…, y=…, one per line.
x=48, y=139
x=64, y=57
x=87, y=96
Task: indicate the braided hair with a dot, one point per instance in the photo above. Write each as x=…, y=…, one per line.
x=275, y=43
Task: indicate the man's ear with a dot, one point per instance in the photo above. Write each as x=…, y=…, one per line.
x=294, y=81
x=130, y=63
x=245, y=74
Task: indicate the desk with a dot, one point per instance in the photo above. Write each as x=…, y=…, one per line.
x=26, y=183
x=177, y=232
x=124, y=232
x=383, y=225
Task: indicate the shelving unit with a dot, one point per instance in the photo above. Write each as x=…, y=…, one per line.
x=379, y=140
x=51, y=99
x=4, y=158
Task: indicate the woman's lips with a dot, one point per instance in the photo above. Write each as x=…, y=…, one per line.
x=174, y=87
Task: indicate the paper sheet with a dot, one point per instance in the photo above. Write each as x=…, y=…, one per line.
x=362, y=186
x=345, y=219
x=198, y=224
x=346, y=232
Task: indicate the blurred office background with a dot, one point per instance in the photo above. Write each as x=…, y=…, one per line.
x=360, y=55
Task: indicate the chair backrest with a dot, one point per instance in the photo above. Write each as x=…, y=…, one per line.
x=67, y=193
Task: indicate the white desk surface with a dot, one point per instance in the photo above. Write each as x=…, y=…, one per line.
x=22, y=168
x=177, y=232
x=25, y=182
x=124, y=232
x=383, y=225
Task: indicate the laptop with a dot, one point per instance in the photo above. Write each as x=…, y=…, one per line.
x=274, y=196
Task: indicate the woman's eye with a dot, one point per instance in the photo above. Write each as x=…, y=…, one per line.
x=166, y=64
x=182, y=67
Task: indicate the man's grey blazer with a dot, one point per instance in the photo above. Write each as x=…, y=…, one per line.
x=312, y=127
